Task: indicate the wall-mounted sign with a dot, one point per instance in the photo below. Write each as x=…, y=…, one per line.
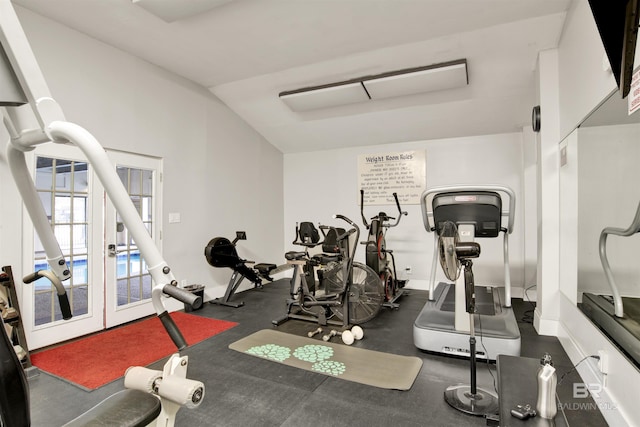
x=381, y=175
x=633, y=98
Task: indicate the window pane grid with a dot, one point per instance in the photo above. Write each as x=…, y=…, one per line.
x=133, y=280
x=63, y=189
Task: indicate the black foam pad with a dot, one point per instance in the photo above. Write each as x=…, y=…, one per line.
x=127, y=408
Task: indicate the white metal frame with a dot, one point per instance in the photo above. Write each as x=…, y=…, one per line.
x=120, y=314
x=33, y=118
x=426, y=202
x=41, y=120
x=62, y=330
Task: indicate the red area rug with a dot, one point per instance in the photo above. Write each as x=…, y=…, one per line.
x=98, y=359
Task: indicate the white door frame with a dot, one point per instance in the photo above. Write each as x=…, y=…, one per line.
x=103, y=311
x=115, y=314
x=93, y=320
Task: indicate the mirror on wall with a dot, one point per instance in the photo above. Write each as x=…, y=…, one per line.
x=607, y=183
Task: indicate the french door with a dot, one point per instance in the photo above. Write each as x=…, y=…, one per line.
x=109, y=283
x=129, y=283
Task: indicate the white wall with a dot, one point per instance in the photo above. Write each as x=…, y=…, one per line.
x=569, y=235
x=529, y=202
x=583, y=84
x=320, y=184
x=219, y=174
x=547, y=310
x=608, y=198
x=584, y=79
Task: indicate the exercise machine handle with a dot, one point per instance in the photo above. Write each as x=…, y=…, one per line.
x=338, y=236
x=382, y=217
x=355, y=229
x=181, y=295
x=63, y=299
x=346, y=234
x=172, y=330
x=65, y=307
x=29, y=278
x=169, y=325
x=400, y=212
x=395, y=196
x=364, y=220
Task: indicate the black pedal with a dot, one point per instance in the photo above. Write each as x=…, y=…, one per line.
x=523, y=412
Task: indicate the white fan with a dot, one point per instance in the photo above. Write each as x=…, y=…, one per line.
x=447, y=243
x=454, y=255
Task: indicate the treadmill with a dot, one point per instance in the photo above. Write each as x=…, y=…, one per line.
x=617, y=316
x=443, y=324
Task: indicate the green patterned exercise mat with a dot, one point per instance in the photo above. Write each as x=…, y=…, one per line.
x=369, y=367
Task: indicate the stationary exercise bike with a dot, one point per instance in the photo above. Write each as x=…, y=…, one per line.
x=32, y=117
x=347, y=292
x=377, y=252
x=220, y=252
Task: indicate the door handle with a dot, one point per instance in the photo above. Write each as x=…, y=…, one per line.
x=112, y=251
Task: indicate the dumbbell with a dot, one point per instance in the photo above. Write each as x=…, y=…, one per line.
x=8, y=313
x=316, y=332
x=348, y=336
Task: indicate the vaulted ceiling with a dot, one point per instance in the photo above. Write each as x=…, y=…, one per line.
x=248, y=51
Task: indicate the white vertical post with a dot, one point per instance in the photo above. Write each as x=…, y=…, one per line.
x=36, y=211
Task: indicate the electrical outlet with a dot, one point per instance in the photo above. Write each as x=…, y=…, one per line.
x=603, y=363
x=407, y=270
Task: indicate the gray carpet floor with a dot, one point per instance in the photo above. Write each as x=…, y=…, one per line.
x=242, y=390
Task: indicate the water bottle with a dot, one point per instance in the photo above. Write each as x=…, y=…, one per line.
x=547, y=382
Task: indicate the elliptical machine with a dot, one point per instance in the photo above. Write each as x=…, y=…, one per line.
x=376, y=252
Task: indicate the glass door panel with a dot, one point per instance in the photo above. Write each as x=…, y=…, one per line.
x=63, y=182
x=130, y=297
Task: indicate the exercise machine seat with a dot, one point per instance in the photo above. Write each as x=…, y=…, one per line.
x=308, y=234
x=331, y=244
x=264, y=269
x=127, y=408
x=295, y=255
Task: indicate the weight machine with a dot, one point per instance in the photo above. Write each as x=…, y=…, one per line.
x=32, y=117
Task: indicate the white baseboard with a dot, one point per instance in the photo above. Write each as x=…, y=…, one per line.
x=594, y=381
x=617, y=392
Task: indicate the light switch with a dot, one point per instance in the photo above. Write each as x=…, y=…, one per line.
x=174, y=217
